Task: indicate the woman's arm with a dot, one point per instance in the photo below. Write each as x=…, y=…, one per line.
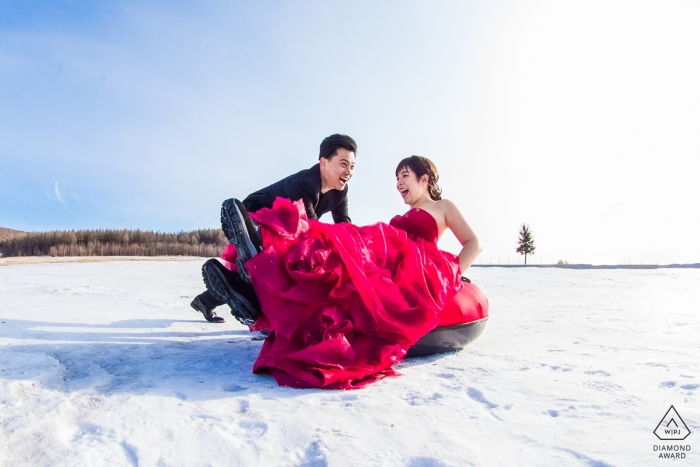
x=471, y=247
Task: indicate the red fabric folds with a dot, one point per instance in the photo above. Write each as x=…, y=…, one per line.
x=344, y=303
x=229, y=257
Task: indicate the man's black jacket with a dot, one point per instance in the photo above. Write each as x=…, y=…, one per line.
x=304, y=185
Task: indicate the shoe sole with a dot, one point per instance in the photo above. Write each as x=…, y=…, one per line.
x=217, y=284
x=234, y=228
x=253, y=232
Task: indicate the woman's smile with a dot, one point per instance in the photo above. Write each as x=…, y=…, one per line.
x=409, y=186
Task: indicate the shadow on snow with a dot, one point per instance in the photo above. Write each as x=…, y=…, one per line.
x=102, y=358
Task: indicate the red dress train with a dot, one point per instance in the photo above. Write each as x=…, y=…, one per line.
x=344, y=303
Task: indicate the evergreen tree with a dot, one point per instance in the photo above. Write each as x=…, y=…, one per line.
x=526, y=245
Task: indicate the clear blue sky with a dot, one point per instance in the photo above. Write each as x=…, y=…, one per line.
x=580, y=119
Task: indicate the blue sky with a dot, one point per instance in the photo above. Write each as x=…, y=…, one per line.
x=580, y=119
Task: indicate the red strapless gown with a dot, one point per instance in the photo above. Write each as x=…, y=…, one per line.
x=344, y=303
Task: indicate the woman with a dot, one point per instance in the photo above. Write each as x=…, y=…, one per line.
x=416, y=180
x=344, y=303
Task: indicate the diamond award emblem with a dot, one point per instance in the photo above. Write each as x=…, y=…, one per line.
x=672, y=427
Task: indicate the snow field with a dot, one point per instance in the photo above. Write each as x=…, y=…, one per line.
x=106, y=364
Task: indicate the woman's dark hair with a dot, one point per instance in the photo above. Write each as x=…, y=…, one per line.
x=330, y=145
x=423, y=166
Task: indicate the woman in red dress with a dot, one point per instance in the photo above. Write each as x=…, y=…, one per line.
x=343, y=303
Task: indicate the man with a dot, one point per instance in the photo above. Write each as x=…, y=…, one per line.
x=322, y=188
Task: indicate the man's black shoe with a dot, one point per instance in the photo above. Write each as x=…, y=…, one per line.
x=214, y=274
x=209, y=315
x=233, y=223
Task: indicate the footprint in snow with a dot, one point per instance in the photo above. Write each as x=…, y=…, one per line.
x=445, y=375
x=585, y=459
x=131, y=453
x=426, y=462
x=315, y=455
x=252, y=429
x=243, y=406
x=668, y=384
x=345, y=400
x=232, y=387
x=478, y=396
x=415, y=398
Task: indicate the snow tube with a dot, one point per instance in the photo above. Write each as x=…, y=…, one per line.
x=461, y=321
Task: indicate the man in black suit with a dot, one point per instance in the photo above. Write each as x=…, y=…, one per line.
x=322, y=188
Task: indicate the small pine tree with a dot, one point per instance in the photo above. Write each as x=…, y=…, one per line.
x=526, y=245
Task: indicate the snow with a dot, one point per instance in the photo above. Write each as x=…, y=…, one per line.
x=106, y=364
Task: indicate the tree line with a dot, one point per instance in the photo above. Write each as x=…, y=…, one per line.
x=203, y=242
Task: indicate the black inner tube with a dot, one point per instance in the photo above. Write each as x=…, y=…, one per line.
x=447, y=338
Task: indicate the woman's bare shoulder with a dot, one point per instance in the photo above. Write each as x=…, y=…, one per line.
x=446, y=206
x=452, y=214
x=456, y=222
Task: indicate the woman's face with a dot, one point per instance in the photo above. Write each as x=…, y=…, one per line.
x=410, y=187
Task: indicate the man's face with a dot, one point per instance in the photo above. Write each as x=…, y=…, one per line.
x=336, y=172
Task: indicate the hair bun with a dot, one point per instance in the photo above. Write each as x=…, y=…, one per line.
x=435, y=191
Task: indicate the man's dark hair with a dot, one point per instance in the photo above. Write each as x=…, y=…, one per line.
x=330, y=145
